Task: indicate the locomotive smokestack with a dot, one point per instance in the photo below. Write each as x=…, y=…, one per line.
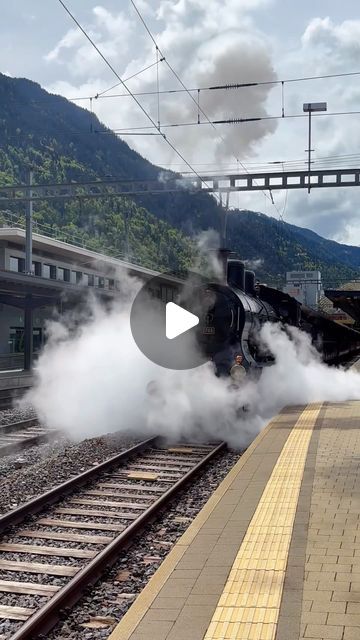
x=236, y=274
x=223, y=258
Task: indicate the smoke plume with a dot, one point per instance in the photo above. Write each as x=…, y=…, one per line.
x=92, y=379
x=254, y=264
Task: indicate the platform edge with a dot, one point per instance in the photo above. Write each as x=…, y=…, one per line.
x=146, y=597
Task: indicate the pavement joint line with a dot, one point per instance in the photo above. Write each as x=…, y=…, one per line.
x=259, y=574
x=131, y=620
x=337, y=460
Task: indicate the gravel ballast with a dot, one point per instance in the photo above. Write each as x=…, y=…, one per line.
x=16, y=414
x=38, y=469
x=35, y=470
x=114, y=594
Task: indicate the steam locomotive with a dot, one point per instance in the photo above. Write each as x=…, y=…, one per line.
x=233, y=310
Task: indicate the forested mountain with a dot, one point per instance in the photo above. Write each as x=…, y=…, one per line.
x=62, y=142
x=282, y=247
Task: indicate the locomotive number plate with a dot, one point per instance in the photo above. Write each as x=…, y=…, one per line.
x=209, y=331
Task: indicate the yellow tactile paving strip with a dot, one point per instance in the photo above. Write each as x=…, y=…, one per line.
x=129, y=623
x=249, y=606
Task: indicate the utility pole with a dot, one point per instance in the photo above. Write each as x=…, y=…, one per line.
x=126, y=221
x=28, y=231
x=28, y=310
x=309, y=107
x=223, y=252
x=309, y=151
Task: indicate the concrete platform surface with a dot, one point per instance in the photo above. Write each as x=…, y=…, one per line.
x=275, y=553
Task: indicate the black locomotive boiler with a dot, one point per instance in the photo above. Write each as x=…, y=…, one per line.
x=233, y=309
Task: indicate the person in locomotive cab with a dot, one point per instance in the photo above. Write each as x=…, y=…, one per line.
x=238, y=371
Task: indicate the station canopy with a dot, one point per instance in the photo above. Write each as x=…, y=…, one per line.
x=346, y=298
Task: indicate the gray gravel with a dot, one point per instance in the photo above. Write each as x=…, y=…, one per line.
x=119, y=587
x=49, y=465
x=31, y=455
x=16, y=414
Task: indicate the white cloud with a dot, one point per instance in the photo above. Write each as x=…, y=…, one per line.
x=207, y=43
x=339, y=41
x=72, y=38
x=110, y=31
x=218, y=42
x=325, y=47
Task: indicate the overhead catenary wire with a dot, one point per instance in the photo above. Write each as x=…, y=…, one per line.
x=101, y=94
x=270, y=167
x=291, y=164
x=158, y=85
x=142, y=130
x=268, y=162
x=231, y=121
x=111, y=67
x=225, y=87
x=195, y=100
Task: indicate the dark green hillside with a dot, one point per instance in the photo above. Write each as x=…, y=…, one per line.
x=281, y=248
x=53, y=136
x=63, y=143
x=338, y=252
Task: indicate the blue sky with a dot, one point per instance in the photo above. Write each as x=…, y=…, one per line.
x=210, y=41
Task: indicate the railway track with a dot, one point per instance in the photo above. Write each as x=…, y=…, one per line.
x=47, y=561
x=19, y=435
x=8, y=396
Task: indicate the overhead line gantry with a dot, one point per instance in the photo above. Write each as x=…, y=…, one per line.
x=265, y=181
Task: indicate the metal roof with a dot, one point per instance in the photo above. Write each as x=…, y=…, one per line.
x=346, y=299
x=79, y=255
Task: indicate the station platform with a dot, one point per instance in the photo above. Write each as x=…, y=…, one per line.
x=275, y=552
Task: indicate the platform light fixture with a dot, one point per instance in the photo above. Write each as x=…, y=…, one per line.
x=311, y=107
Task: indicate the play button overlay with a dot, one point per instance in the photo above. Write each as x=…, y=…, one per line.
x=178, y=320
x=164, y=324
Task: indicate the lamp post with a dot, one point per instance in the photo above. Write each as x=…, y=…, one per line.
x=310, y=107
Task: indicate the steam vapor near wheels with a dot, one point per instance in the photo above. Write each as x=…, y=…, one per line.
x=92, y=379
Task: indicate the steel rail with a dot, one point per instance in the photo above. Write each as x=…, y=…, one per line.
x=26, y=443
x=46, y=617
x=17, y=426
x=57, y=493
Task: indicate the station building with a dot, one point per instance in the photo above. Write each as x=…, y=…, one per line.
x=305, y=286
x=62, y=274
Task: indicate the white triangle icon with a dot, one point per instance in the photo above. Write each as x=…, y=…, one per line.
x=178, y=320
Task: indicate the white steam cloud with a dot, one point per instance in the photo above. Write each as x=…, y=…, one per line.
x=93, y=380
x=207, y=43
x=233, y=57
x=254, y=264
x=208, y=245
